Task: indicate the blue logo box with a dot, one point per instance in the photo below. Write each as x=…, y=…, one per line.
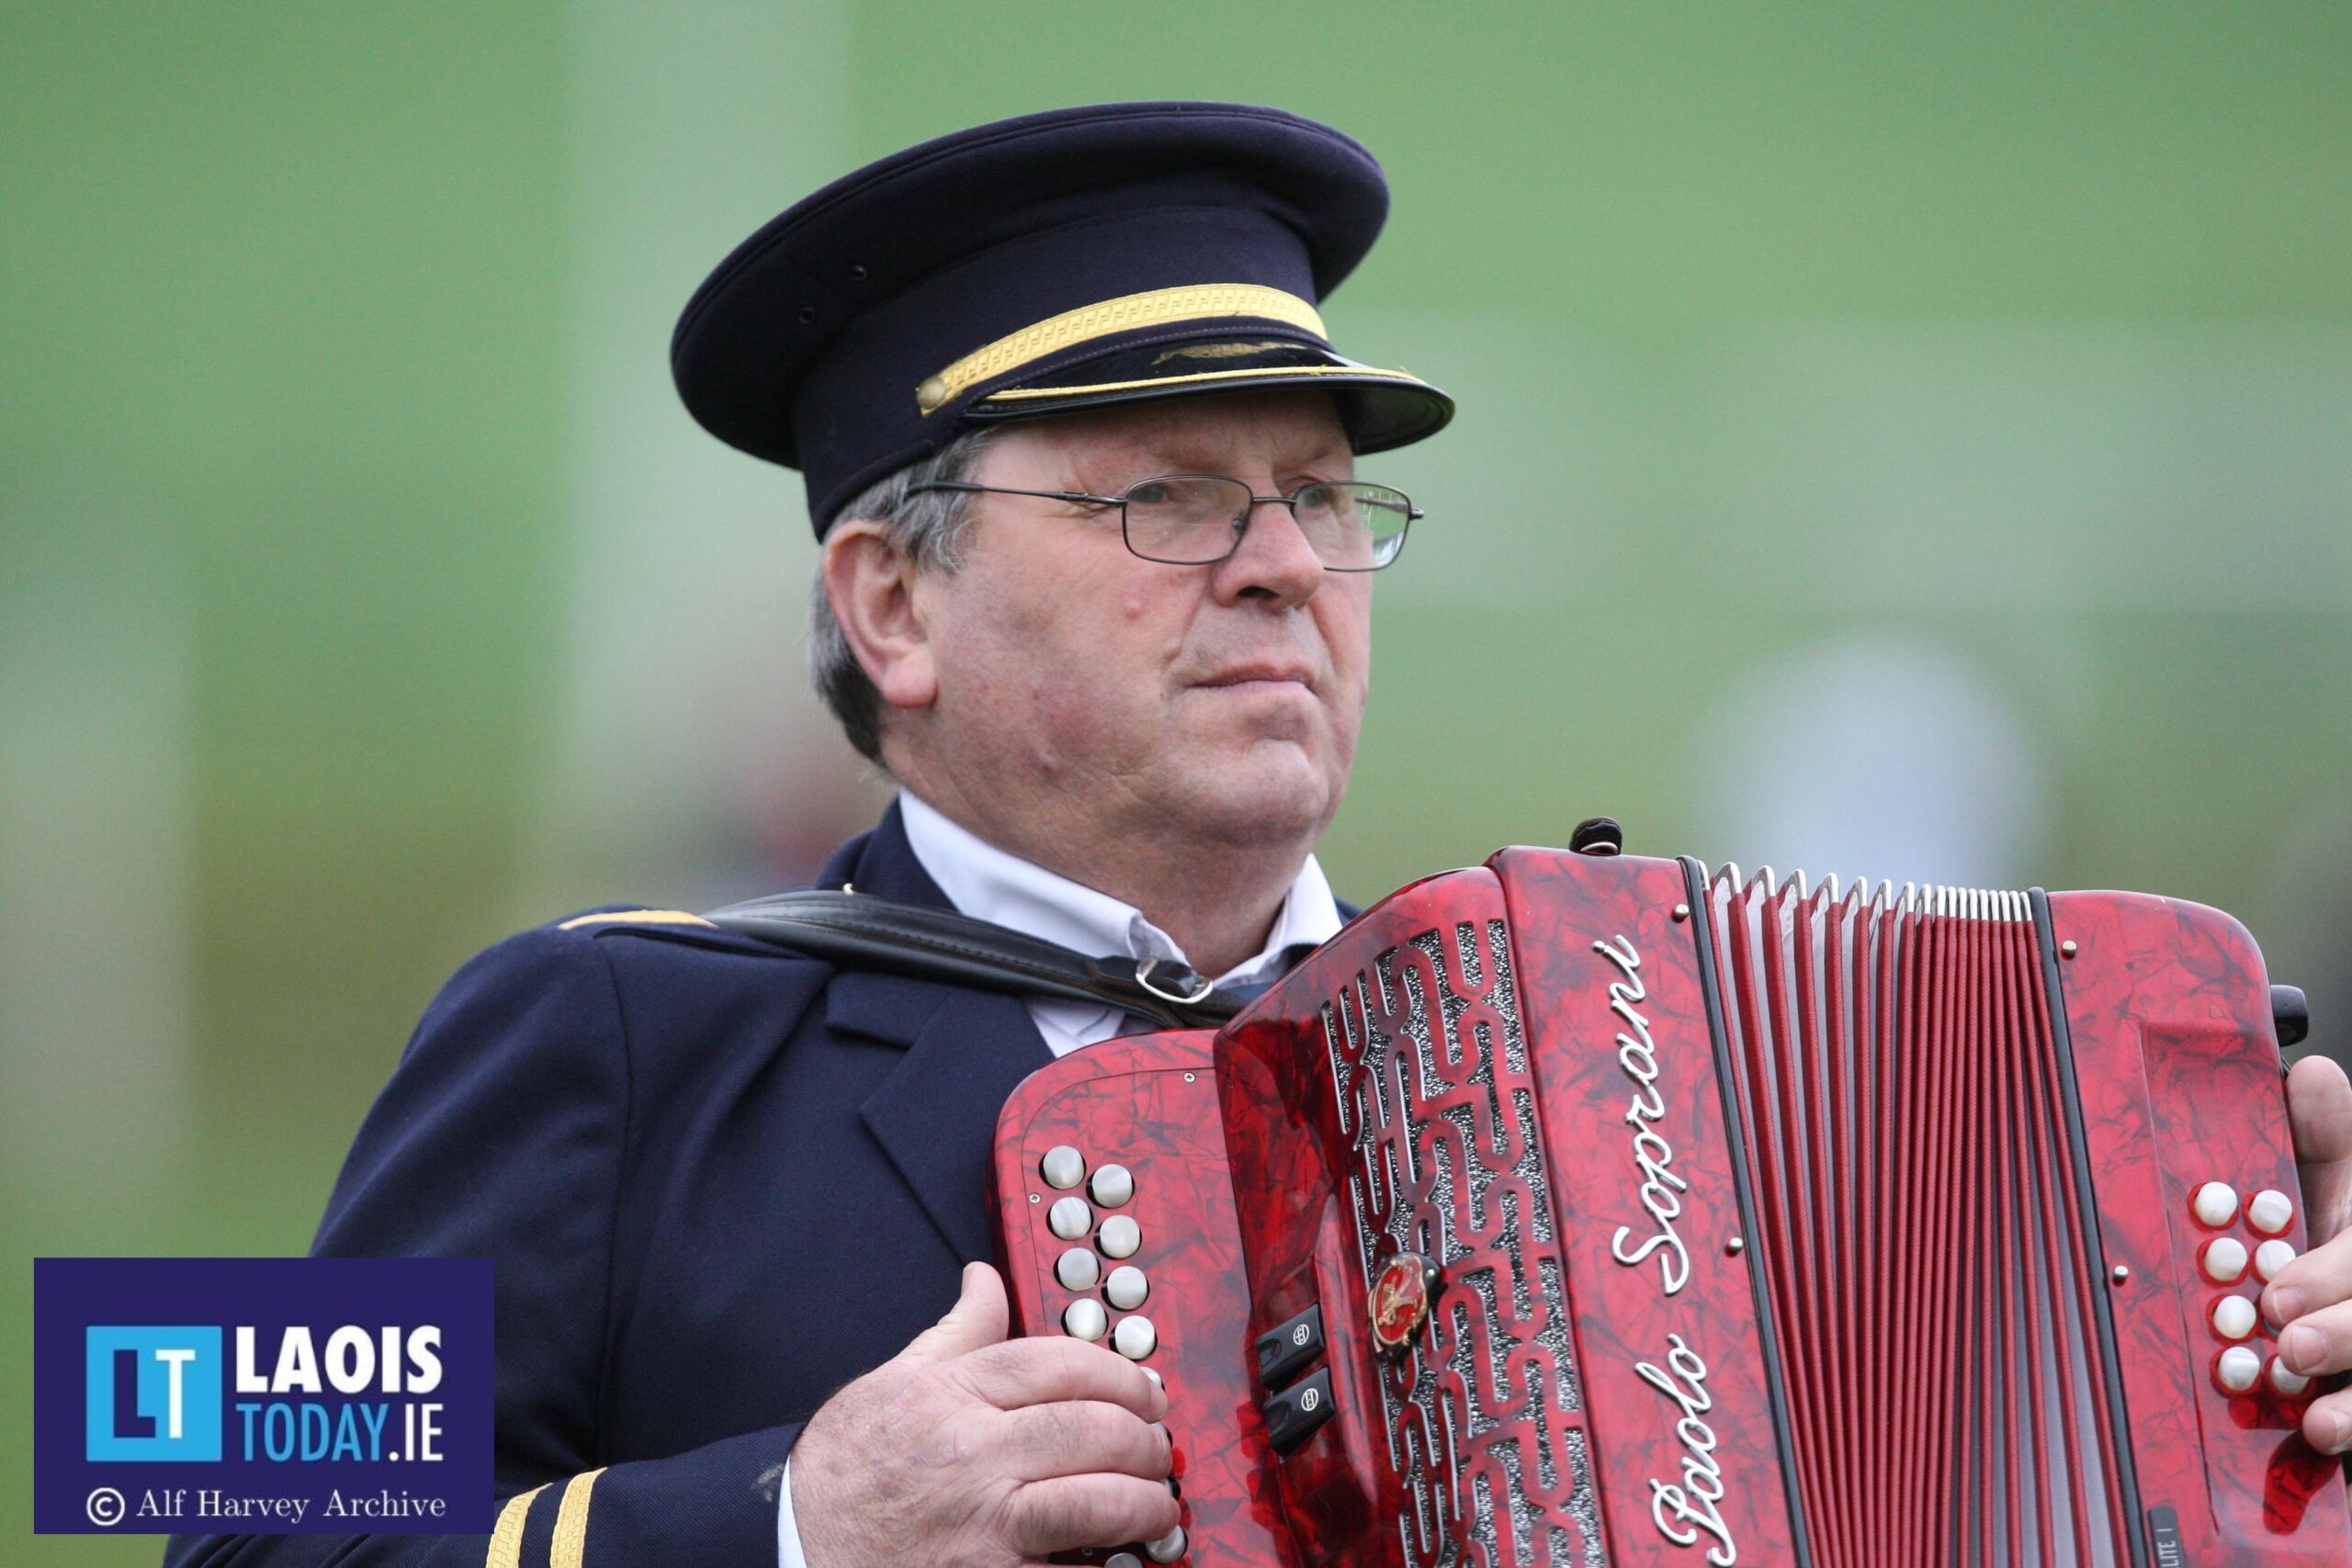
x=263, y=1395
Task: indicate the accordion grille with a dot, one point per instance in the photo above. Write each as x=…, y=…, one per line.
x=1931, y=1274
x=1483, y=1418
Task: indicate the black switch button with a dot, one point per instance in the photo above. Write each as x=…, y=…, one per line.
x=1293, y=1414
x=1283, y=1352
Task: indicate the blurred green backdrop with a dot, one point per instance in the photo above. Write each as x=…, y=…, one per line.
x=1910, y=440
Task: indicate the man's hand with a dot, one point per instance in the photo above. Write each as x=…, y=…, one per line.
x=2312, y=1297
x=971, y=1451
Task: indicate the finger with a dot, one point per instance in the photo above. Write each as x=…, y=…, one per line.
x=2320, y=1278
x=2327, y=1424
x=1072, y=1512
x=1079, y=1437
x=2319, y=1110
x=1041, y=1371
x=2318, y=1341
x=978, y=1319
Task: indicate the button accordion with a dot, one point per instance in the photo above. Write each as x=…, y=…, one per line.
x=1583, y=1210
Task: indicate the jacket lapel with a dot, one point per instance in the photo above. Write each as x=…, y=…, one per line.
x=935, y=1114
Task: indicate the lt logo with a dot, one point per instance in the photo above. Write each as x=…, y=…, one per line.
x=153, y=1394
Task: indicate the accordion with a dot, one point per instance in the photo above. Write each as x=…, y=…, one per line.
x=1585, y=1209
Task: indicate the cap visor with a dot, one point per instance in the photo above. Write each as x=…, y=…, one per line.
x=1380, y=409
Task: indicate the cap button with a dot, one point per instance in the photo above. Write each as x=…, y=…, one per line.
x=930, y=394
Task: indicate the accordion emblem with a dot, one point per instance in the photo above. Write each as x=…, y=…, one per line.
x=1586, y=1210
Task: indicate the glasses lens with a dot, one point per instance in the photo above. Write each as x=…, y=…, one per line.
x=1353, y=527
x=1185, y=519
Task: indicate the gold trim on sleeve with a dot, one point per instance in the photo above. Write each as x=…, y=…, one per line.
x=506, y=1540
x=570, y=1543
x=1013, y=394
x=636, y=918
x=1157, y=307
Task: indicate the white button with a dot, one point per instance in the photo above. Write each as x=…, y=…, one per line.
x=2286, y=1382
x=2271, y=1256
x=1155, y=1377
x=1167, y=1548
x=1123, y=1560
x=1113, y=1185
x=1085, y=1318
x=2233, y=1317
x=2216, y=1203
x=1125, y=1288
x=1135, y=1337
x=1069, y=1218
x=2270, y=1211
x=2237, y=1369
x=2223, y=1259
x=1121, y=1235
x=1078, y=1269
x=1063, y=1167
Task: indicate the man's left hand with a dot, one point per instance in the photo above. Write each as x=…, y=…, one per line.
x=2311, y=1300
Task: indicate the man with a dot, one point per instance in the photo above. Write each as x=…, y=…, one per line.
x=1095, y=590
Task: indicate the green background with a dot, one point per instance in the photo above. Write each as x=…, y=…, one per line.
x=1919, y=429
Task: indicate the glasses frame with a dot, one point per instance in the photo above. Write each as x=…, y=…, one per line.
x=1240, y=521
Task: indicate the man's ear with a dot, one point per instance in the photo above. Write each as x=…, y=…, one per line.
x=871, y=582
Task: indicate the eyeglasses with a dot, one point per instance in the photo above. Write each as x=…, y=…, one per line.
x=1198, y=519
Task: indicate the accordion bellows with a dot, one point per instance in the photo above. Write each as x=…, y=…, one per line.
x=1578, y=1209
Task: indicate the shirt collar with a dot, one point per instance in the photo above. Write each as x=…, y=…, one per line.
x=988, y=884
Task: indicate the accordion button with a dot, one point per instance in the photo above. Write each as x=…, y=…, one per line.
x=2270, y=1211
x=2233, y=1317
x=2216, y=1204
x=2286, y=1382
x=1121, y=1235
x=1123, y=1560
x=1135, y=1337
x=1167, y=1548
x=1069, y=1218
x=1078, y=1269
x=2235, y=1368
x=2223, y=1260
x=1286, y=1350
x=1113, y=1185
x=1085, y=1319
x=1293, y=1414
x=1063, y=1167
x=1126, y=1286
x=2271, y=1256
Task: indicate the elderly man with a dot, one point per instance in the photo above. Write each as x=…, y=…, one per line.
x=1096, y=590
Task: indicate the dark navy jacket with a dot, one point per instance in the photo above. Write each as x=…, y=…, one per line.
x=719, y=1182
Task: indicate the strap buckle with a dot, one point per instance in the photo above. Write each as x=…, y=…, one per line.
x=1178, y=973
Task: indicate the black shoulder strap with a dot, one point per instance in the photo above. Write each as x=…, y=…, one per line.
x=859, y=931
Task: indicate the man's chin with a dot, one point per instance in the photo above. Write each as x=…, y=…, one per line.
x=1271, y=794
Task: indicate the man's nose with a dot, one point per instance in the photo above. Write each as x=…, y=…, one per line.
x=1273, y=560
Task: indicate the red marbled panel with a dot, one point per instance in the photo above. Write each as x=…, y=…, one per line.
x=2177, y=1066
x=1626, y=1316
x=1150, y=1102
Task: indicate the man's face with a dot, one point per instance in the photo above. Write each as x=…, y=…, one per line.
x=1217, y=703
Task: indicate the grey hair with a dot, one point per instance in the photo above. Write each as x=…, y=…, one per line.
x=928, y=528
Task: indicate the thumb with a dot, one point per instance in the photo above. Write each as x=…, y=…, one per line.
x=2319, y=1110
x=978, y=1319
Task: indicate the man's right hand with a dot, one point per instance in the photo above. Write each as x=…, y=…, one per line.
x=971, y=1451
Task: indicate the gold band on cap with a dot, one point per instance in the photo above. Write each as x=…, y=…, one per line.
x=1159, y=306
x=1356, y=372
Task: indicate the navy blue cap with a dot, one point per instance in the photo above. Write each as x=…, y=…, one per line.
x=1059, y=261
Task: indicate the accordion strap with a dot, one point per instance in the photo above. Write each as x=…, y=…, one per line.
x=857, y=931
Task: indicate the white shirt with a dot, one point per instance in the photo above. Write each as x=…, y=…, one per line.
x=988, y=884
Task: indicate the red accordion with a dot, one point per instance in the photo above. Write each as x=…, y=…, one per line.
x=1584, y=1210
